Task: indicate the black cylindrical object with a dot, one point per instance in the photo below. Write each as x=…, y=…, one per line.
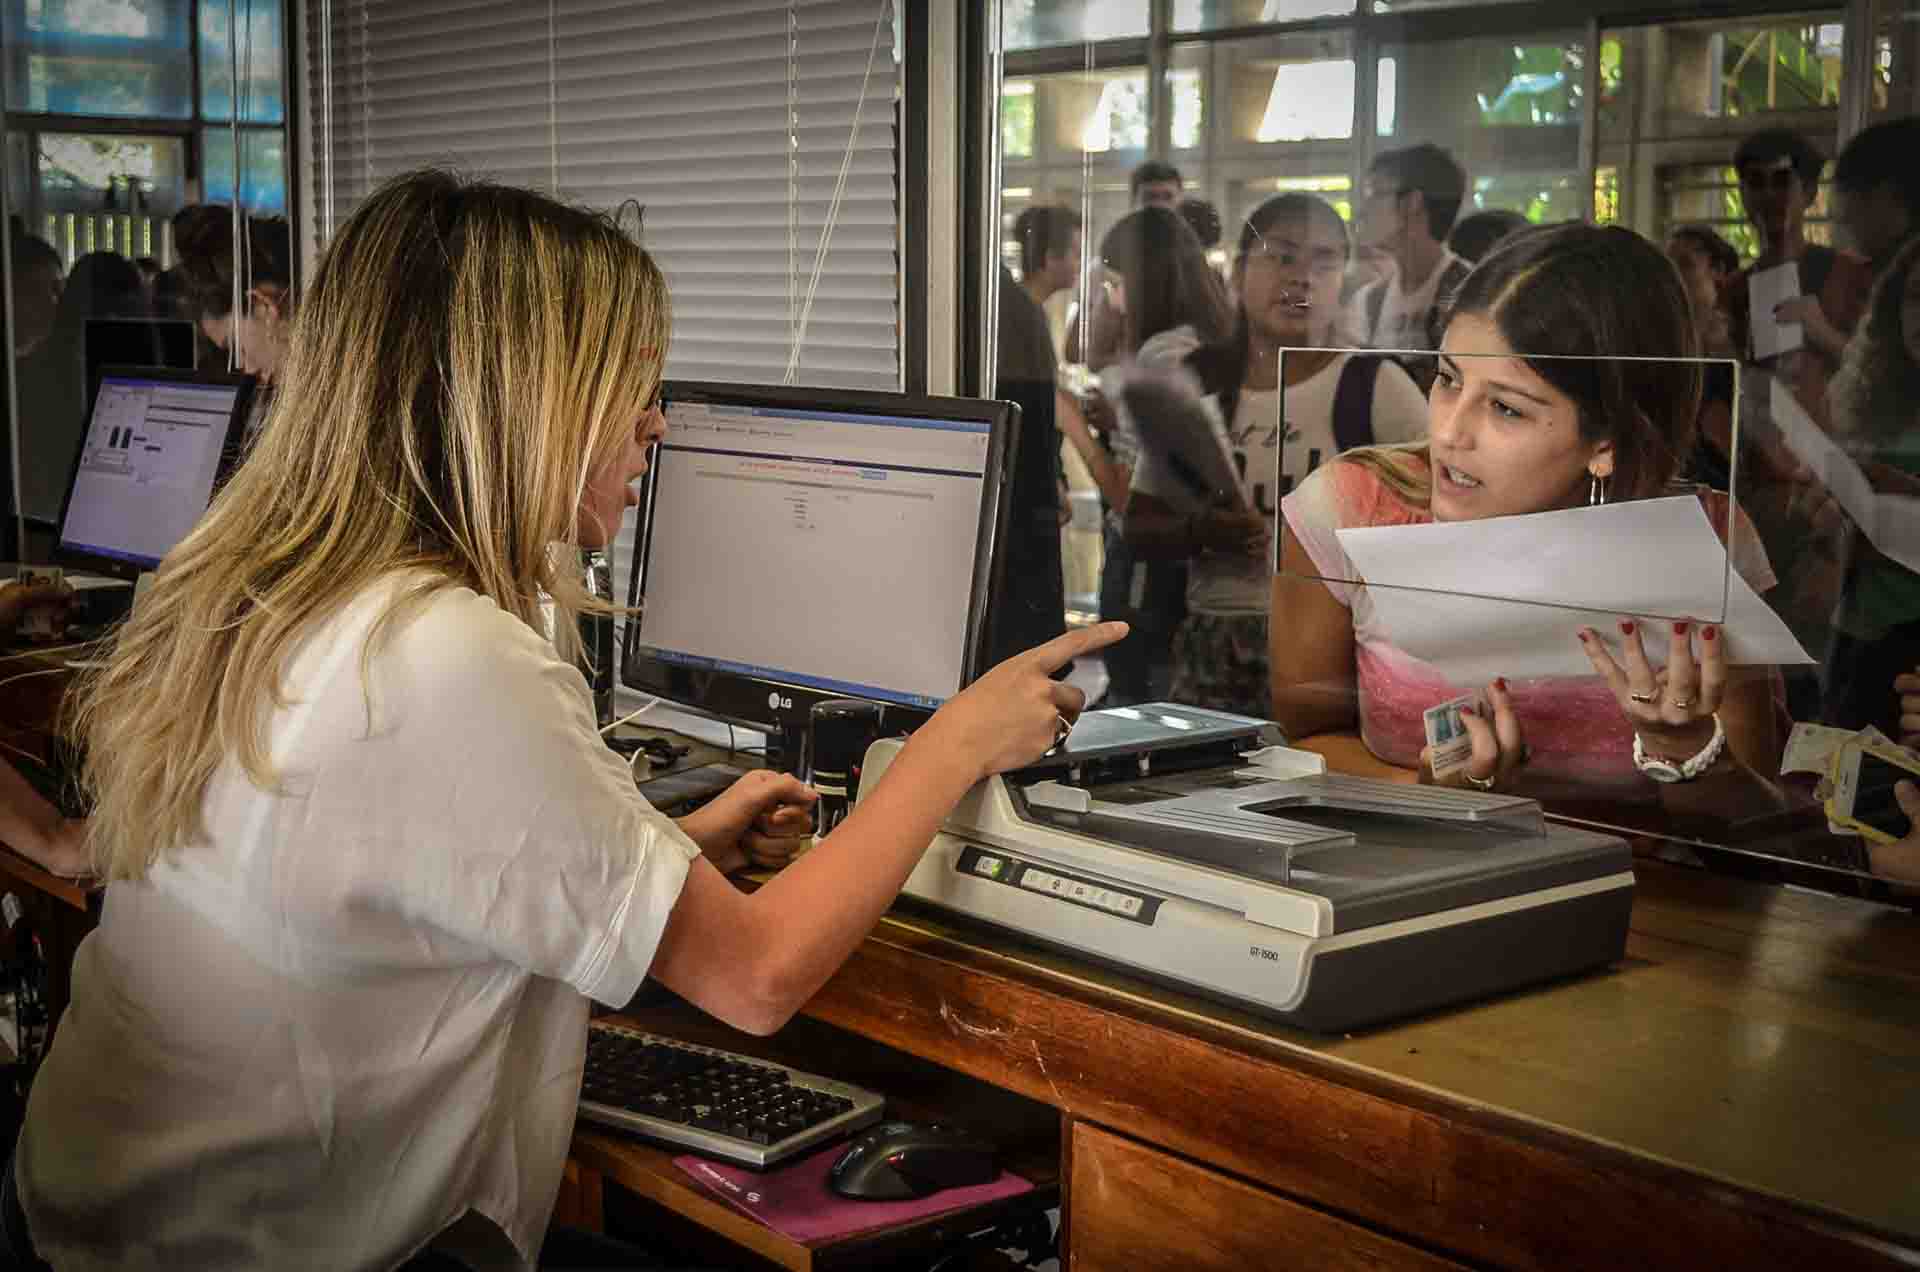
x=841, y=731
x=596, y=634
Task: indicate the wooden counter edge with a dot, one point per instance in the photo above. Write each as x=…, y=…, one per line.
x=873, y=996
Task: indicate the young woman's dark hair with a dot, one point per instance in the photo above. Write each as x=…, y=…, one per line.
x=1876, y=394
x=1221, y=365
x=1720, y=254
x=1168, y=281
x=1578, y=303
x=203, y=240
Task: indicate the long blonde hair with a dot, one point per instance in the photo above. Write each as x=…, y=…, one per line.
x=467, y=355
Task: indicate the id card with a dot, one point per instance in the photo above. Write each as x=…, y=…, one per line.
x=1449, y=744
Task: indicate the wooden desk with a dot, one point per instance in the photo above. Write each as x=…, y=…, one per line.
x=1742, y=1091
x=1027, y=1131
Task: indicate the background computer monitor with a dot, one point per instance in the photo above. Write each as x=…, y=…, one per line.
x=157, y=445
x=798, y=545
x=135, y=342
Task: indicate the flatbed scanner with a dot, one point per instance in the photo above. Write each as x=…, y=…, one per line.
x=1187, y=846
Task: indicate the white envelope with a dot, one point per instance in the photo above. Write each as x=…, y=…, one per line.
x=1507, y=596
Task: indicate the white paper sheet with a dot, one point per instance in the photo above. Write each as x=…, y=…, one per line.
x=1766, y=288
x=1507, y=596
x=1891, y=523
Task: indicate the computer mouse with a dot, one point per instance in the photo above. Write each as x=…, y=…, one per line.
x=897, y=1160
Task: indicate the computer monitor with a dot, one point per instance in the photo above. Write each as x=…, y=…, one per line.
x=135, y=342
x=799, y=545
x=157, y=445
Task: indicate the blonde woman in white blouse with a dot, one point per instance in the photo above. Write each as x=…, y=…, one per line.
x=367, y=857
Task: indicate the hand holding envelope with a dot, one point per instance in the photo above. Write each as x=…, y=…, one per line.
x=1511, y=595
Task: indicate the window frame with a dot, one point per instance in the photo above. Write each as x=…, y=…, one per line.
x=189, y=130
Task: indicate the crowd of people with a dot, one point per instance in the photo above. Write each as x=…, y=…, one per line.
x=53, y=305
x=1278, y=350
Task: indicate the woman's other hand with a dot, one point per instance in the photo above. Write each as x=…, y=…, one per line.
x=1011, y=716
x=1672, y=709
x=1499, y=747
x=1900, y=861
x=765, y=819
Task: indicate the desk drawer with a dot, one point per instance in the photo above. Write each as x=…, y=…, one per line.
x=1133, y=1208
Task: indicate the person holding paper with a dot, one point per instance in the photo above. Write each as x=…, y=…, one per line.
x=1512, y=434
x=1817, y=292
x=1291, y=255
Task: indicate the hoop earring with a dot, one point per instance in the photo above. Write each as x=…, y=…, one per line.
x=1596, y=490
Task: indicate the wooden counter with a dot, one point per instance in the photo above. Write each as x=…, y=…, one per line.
x=1743, y=1090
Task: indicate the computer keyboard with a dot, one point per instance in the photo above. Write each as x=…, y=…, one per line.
x=715, y=1103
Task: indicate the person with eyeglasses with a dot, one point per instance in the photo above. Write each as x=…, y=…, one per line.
x=1408, y=204
x=1308, y=406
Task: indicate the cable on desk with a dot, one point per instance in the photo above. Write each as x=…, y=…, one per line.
x=628, y=718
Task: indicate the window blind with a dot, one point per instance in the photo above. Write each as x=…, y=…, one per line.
x=744, y=127
x=730, y=121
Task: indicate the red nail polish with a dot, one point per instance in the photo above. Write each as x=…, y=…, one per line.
x=1626, y=628
x=1500, y=683
x=1680, y=629
x=1469, y=711
x=1709, y=633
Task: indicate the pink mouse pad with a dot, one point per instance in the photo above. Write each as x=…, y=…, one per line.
x=794, y=1199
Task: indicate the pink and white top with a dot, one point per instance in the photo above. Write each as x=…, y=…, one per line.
x=1572, y=724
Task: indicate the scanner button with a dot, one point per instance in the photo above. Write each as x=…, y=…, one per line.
x=1129, y=905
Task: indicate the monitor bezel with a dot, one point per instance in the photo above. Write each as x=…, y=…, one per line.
x=775, y=705
x=230, y=450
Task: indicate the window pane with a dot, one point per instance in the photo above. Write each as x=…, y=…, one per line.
x=88, y=173
x=1290, y=88
x=1508, y=110
x=258, y=28
x=1035, y=24
x=1895, y=85
x=1721, y=71
x=1016, y=119
x=263, y=185
x=99, y=57
x=1214, y=15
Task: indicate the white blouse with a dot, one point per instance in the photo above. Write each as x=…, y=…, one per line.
x=356, y=1013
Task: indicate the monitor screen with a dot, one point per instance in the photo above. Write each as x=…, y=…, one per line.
x=136, y=342
x=149, y=464
x=801, y=545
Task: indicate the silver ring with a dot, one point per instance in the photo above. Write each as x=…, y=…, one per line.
x=1478, y=783
x=1061, y=728
x=1646, y=698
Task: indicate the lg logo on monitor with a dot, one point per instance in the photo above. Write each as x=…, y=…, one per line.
x=776, y=703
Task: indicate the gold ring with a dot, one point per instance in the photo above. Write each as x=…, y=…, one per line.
x=1681, y=704
x=1645, y=698
x=1478, y=783
x=1061, y=728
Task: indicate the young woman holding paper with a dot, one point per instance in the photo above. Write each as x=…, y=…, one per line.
x=1509, y=435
